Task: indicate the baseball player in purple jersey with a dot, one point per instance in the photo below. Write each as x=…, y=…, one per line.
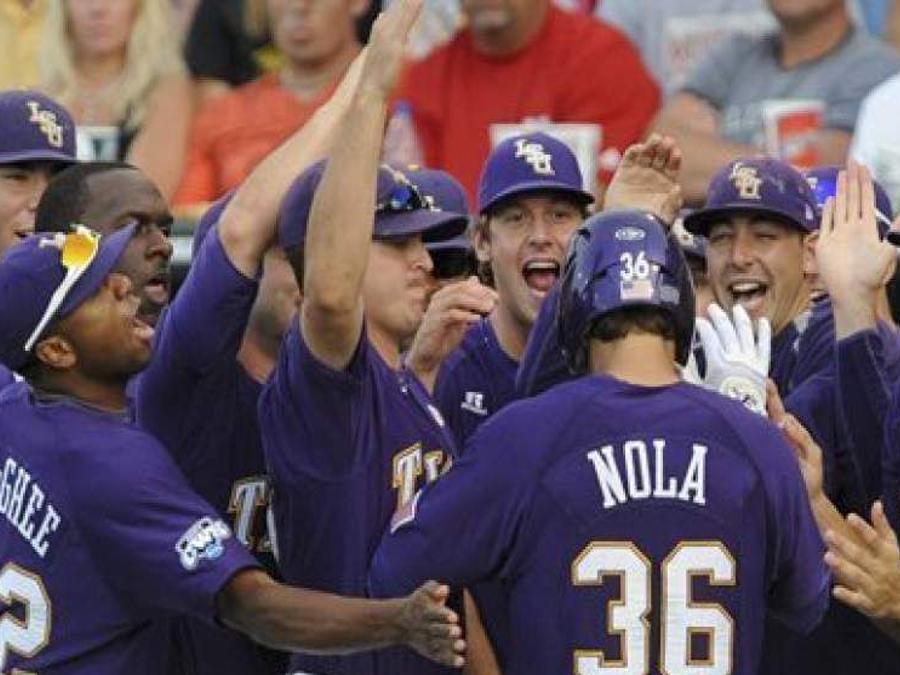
x=531, y=200
x=102, y=539
x=215, y=346
x=349, y=435
x=37, y=139
x=646, y=525
x=853, y=263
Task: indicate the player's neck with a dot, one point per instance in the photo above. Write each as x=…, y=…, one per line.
x=512, y=335
x=808, y=42
x=257, y=355
x=641, y=359
x=387, y=346
x=108, y=396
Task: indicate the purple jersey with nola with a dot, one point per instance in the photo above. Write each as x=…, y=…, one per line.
x=201, y=404
x=475, y=381
x=102, y=540
x=345, y=450
x=655, y=526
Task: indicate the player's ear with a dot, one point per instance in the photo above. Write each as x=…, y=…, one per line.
x=481, y=239
x=56, y=353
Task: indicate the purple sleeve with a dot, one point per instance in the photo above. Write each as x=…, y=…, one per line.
x=155, y=541
x=310, y=414
x=201, y=329
x=441, y=535
x=864, y=395
x=798, y=582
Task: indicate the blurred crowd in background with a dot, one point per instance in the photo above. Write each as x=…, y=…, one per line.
x=196, y=92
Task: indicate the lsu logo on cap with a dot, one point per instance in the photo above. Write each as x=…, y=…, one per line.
x=204, y=540
x=540, y=161
x=746, y=181
x=47, y=123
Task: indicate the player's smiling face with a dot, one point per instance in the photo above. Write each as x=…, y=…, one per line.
x=525, y=244
x=21, y=187
x=396, y=286
x=759, y=264
x=119, y=197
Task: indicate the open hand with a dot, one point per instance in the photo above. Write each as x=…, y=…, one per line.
x=387, y=47
x=737, y=363
x=867, y=567
x=430, y=628
x=647, y=179
x=852, y=260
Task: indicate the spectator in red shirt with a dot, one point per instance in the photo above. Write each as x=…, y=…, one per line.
x=232, y=133
x=521, y=60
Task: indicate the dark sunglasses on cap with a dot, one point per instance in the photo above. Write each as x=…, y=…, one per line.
x=404, y=196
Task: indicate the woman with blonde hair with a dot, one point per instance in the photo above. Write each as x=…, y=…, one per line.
x=116, y=65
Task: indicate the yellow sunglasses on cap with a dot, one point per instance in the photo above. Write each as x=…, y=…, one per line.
x=77, y=251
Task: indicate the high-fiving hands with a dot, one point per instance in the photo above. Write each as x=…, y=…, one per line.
x=737, y=362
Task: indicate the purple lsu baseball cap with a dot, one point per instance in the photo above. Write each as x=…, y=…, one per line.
x=30, y=273
x=760, y=186
x=447, y=194
x=534, y=162
x=823, y=181
x=34, y=127
x=401, y=209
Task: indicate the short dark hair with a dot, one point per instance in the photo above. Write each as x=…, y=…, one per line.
x=65, y=200
x=634, y=319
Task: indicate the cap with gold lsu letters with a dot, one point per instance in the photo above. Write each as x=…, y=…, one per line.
x=34, y=128
x=759, y=186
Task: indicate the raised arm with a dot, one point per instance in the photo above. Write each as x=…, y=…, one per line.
x=247, y=227
x=296, y=619
x=339, y=232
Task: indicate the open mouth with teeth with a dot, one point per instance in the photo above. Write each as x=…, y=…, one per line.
x=540, y=275
x=749, y=294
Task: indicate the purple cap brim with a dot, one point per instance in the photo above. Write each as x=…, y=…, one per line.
x=37, y=156
x=538, y=186
x=111, y=249
x=700, y=221
x=434, y=226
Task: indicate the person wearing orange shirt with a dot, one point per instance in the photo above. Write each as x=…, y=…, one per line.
x=233, y=133
x=521, y=60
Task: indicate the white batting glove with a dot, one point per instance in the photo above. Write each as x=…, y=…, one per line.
x=737, y=364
